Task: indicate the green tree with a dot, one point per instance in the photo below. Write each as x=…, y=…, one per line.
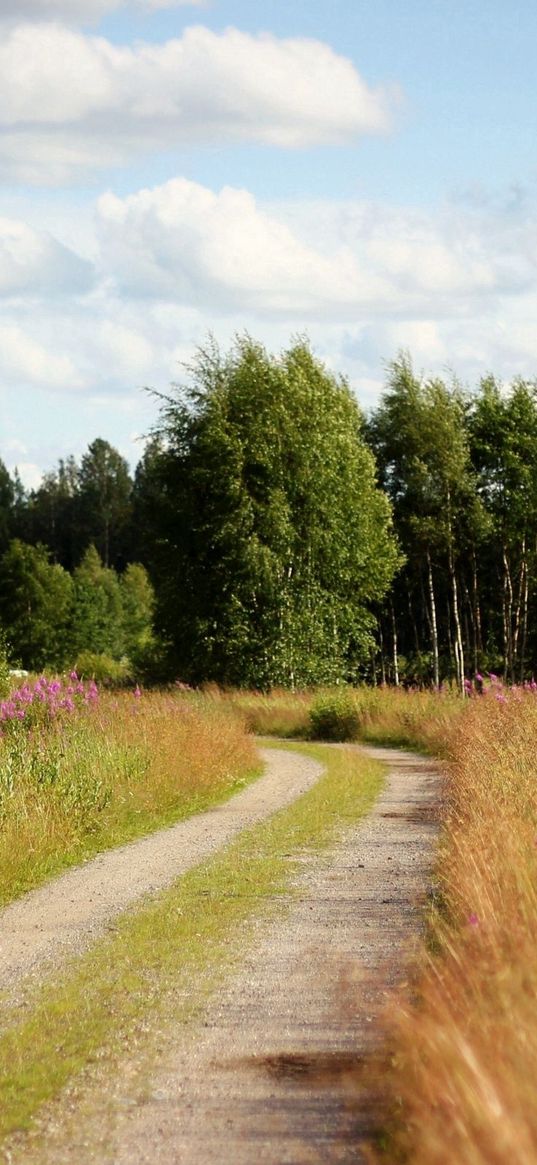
x=419, y=436
x=502, y=427
x=7, y=498
x=98, y=609
x=36, y=600
x=104, y=501
x=271, y=539
x=138, y=602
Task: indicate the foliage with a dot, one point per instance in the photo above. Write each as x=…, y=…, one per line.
x=334, y=716
x=104, y=669
x=272, y=540
x=36, y=598
x=5, y=680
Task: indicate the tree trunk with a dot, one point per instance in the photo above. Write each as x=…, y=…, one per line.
x=507, y=617
x=395, y=652
x=434, y=631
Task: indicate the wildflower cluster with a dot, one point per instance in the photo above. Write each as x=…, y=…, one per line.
x=46, y=699
x=493, y=686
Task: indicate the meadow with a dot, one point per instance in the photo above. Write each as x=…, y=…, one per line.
x=82, y=770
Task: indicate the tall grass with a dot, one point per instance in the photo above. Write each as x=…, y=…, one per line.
x=91, y=773
x=466, y=1064
x=420, y=719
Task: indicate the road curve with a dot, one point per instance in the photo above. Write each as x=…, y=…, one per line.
x=61, y=918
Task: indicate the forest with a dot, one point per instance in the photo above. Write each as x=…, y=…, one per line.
x=274, y=535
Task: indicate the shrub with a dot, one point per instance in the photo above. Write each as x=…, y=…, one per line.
x=334, y=716
x=103, y=669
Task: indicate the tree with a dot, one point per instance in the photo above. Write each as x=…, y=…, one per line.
x=503, y=436
x=52, y=514
x=7, y=498
x=271, y=539
x=104, y=501
x=138, y=602
x=98, y=609
x=418, y=434
x=36, y=599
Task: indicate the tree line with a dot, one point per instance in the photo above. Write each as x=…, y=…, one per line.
x=271, y=534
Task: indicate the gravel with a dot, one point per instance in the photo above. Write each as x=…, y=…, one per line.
x=279, y=1070
x=61, y=918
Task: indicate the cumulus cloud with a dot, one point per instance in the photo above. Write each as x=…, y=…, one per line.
x=221, y=251
x=33, y=262
x=24, y=360
x=72, y=102
x=182, y=242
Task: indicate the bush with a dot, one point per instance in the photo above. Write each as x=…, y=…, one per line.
x=5, y=674
x=92, y=665
x=334, y=716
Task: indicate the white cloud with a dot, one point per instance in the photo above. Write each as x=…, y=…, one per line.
x=183, y=243
x=30, y=473
x=24, y=360
x=33, y=262
x=73, y=102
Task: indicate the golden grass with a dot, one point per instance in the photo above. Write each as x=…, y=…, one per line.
x=102, y=775
x=420, y=719
x=466, y=1064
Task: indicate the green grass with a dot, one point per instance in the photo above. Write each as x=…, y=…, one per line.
x=169, y=955
x=106, y=774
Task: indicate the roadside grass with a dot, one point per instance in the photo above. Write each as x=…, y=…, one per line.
x=396, y=717
x=462, y=1084
x=166, y=958
x=106, y=773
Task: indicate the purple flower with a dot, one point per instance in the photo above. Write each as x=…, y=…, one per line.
x=473, y=919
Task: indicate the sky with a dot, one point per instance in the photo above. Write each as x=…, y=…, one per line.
x=362, y=173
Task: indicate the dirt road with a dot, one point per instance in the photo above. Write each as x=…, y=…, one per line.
x=278, y=1070
x=61, y=918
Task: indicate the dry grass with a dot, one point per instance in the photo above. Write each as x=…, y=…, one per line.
x=466, y=1067
x=110, y=772
x=412, y=718
x=276, y=713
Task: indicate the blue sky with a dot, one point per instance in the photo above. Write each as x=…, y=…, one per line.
x=365, y=173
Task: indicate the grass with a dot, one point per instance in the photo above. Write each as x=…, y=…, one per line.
x=168, y=956
x=418, y=719
x=463, y=1078
x=105, y=773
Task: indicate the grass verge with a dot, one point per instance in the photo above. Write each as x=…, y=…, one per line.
x=172, y=953
x=98, y=774
x=463, y=1078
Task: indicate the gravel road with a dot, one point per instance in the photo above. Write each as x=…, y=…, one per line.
x=278, y=1070
x=61, y=918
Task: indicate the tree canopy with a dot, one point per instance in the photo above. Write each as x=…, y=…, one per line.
x=272, y=538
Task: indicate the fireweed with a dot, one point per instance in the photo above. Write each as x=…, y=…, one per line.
x=81, y=770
